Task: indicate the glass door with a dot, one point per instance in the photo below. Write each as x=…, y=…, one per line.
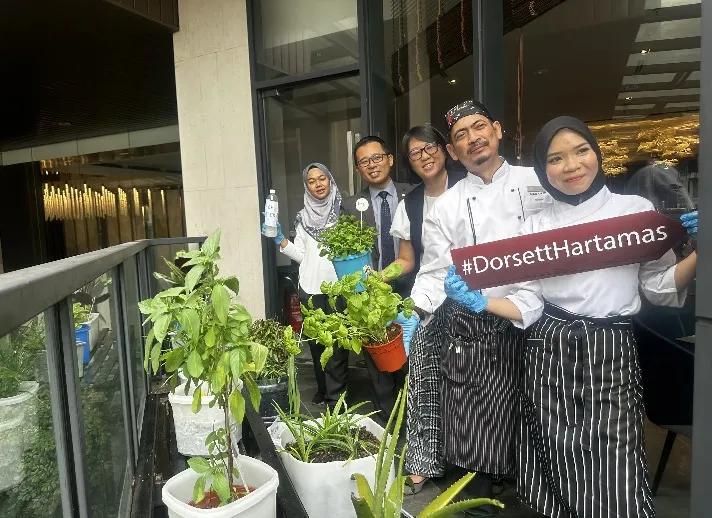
x=317, y=122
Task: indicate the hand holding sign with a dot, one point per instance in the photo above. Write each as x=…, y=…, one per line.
x=635, y=238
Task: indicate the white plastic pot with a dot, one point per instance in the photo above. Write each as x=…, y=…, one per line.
x=325, y=488
x=192, y=429
x=80, y=358
x=12, y=445
x=93, y=323
x=261, y=503
x=23, y=404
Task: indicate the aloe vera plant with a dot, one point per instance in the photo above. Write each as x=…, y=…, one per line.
x=387, y=502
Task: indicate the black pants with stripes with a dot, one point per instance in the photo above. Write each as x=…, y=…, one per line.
x=481, y=368
x=582, y=452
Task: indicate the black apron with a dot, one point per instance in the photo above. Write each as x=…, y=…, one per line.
x=582, y=452
x=481, y=368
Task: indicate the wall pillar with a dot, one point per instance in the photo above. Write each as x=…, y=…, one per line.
x=217, y=138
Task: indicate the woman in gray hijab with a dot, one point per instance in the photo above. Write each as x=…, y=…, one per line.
x=322, y=203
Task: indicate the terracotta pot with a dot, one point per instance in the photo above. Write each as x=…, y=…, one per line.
x=389, y=357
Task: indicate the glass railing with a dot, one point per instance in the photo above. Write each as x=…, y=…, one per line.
x=72, y=385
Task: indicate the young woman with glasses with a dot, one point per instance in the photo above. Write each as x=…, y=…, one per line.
x=424, y=148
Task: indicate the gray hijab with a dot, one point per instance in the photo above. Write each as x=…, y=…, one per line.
x=319, y=214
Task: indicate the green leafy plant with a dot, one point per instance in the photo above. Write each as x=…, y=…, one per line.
x=367, y=317
x=80, y=313
x=211, y=345
x=348, y=236
x=19, y=354
x=387, y=502
x=281, y=344
x=335, y=431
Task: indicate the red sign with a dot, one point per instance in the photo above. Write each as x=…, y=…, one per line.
x=635, y=238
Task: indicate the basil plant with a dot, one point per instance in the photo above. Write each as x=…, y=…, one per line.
x=209, y=338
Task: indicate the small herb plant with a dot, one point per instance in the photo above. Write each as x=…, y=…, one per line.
x=385, y=502
x=336, y=433
x=281, y=344
x=80, y=313
x=20, y=351
x=367, y=315
x=212, y=347
x=349, y=236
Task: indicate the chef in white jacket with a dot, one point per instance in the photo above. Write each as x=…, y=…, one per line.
x=322, y=204
x=481, y=353
x=582, y=451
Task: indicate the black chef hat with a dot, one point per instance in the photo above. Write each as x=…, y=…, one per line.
x=469, y=107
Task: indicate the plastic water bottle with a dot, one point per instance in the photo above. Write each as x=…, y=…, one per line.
x=271, y=214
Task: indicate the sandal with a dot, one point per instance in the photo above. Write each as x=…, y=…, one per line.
x=416, y=487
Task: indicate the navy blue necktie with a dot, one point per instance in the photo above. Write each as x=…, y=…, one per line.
x=388, y=254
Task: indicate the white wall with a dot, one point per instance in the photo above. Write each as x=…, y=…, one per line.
x=217, y=139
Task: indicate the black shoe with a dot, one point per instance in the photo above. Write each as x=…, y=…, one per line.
x=318, y=399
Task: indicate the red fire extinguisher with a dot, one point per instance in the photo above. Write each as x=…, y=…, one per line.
x=293, y=311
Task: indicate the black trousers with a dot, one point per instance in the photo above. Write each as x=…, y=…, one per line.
x=385, y=386
x=332, y=381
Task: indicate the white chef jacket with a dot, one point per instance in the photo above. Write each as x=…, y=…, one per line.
x=400, y=227
x=600, y=293
x=472, y=211
x=313, y=269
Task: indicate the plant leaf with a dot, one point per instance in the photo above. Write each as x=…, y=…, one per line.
x=233, y=284
x=160, y=327
x=458, y=507
x=195, y=364
x=237, y=362
x=220, y=300
x=212, y=243
x=199, y=489
x=237, y=406
x=171, y=292
x=147, y=350
x=447, y=496
x=190, y=323
x=199, y=465
x=156, y=357
x=174, y=359
x=221, y=487
x=253, y=390
x=197, y=400
x=364, y=489
x=259, y=356
x=193, y=277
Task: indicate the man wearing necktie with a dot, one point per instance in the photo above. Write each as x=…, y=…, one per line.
x=374, y=162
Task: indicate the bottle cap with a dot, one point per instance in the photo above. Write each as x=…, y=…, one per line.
x=271, y=191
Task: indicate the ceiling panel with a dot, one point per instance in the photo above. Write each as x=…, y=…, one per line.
x=81, y=68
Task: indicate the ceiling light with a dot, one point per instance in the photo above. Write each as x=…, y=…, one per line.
x=452, y=81
x=645, y=51
x=628, y=98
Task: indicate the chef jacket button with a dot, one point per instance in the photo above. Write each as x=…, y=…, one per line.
x=519, y=217
x=512, y=190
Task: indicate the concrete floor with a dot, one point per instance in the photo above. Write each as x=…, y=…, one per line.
x=672, y=500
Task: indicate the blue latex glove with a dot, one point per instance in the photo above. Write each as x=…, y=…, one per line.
x=689, y=221
x=457, y=290
x=409, y=325
x=279, y=237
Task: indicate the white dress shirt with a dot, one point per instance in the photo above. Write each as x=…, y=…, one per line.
x=400, y=227
x=474, y=212
x=600, y=293
x=376, y=203
x=313, y=269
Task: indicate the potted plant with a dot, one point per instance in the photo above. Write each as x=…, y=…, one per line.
x=215, y=354
x=20, y=352
x=384, y=499
x=90, y=296
x=281, y=346
x=367, y=319
x=348, y=245
x=81, y=333
x=321, y=454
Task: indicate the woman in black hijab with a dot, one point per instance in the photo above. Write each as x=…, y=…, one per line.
x=582, y=452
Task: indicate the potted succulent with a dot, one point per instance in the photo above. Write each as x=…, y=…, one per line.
x=215, y=354
x=348, y=245
x=384, y=499
x=321, y=454
x=367, y=320
x=281, y=346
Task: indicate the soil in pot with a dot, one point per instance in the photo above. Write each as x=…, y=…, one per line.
x=392, y=332
x=389, y=356
x=212, y=500
x=368, y=445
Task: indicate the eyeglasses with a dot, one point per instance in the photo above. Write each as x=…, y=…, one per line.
x=417, y=152
x=376, y=159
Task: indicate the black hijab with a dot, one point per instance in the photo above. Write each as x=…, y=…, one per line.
x=541, y=149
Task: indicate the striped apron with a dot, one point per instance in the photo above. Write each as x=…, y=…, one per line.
x=481, y=368
x=424, y=453
x=582, y=452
